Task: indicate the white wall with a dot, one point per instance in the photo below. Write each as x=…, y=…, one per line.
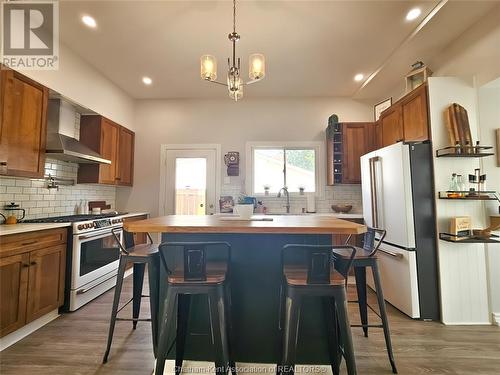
x=489, y=115
x=474, y=55
x=228, y=123
x=80, y=82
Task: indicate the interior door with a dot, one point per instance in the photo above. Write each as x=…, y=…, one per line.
x=190, y=185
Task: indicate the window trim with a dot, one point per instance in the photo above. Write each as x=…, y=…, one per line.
x=320, y=171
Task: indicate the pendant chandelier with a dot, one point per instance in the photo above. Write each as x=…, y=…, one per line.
x=256, y=67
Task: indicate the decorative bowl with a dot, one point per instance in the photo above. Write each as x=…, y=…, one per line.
x=341, y=208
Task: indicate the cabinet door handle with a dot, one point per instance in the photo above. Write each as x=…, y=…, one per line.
x=28, y=243
x=25, y=265
x=33, y=263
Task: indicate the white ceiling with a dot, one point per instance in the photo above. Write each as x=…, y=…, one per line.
x=312, y=48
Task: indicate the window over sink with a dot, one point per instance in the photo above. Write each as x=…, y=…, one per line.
x=273, y=165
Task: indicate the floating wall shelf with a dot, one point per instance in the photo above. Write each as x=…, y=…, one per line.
x=451, y=238
x=481, y=196
x=466, y=152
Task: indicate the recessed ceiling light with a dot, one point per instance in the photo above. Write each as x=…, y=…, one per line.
x=147, y=80
x=359, y=77
x=413, y=14
x=89, y=21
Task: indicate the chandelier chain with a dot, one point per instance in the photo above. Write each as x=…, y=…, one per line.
x=234, y=16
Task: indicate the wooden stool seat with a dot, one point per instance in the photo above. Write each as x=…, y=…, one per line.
x=216, y=274
x=143, y=250
x=296, y=275
x=360, y=253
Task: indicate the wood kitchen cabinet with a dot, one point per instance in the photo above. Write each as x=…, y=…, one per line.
x=32, y=271
x=125, y=162
x=23, y=124
x=346, y=143
x=392, y=126
x=407, y=119
x=13, y=292
x=114, y=143
x=46, y=281
x=415, y=115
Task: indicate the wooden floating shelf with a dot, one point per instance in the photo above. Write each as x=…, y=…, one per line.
x=450, y=238
x=451, y=152
x=482, y=196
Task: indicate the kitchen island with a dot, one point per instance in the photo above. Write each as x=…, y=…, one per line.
x=255, y=280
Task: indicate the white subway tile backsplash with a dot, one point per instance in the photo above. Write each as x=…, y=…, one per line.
x=339, y=194
x=23, y=183
x=14, y=189
x=39, y=201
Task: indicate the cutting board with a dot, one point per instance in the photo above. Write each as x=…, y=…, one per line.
x=457, y=123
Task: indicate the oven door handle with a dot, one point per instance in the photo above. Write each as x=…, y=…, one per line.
x=85, y=290
x=101, y=234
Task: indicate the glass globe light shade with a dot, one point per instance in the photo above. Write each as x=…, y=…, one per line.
x=257, y=66
x=208, y=66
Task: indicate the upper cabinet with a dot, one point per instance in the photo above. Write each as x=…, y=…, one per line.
x=23, y=125
x=125, y=165
x=114, y=143
x=346, y=143
x=415, y=118
x=391, y=125
x=407, y=119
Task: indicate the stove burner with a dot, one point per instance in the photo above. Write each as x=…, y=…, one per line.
x=70, y=218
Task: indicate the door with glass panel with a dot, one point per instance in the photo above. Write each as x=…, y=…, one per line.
x=190, y=185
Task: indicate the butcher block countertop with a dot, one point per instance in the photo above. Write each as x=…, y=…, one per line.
x=299, y=224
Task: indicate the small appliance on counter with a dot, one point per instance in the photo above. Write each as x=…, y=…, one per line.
x=13, y=217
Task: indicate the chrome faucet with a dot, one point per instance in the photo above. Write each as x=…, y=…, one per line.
x=285, y=190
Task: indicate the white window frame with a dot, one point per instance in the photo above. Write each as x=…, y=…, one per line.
x=319, y=171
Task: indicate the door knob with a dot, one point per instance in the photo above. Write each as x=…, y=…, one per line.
x=201, y=204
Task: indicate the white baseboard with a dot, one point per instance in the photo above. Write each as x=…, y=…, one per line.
x=496, y=318
x=26, y=330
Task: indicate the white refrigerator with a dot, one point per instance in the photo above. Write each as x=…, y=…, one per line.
x=398, y=196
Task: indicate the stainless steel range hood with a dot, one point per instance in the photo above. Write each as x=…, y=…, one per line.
x=63, y=131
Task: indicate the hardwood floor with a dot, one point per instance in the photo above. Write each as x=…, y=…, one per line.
x=74, y=344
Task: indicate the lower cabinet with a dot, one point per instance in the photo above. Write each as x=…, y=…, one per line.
x=13, y=292
x=31, y=279
x=46, y=281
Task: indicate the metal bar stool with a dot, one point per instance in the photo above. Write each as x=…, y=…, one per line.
x=196, y=275
x=318, y=278
x=367, y=257
x=140, y=256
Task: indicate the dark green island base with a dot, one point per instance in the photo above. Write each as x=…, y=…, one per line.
x=256, y=275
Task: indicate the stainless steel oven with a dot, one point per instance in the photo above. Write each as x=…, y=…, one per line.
x=92, y=258
x=95, y=257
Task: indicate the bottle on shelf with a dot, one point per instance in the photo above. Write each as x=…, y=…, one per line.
x=477, y=149
x=458, y=148
x=461, y=185
x=453, y=189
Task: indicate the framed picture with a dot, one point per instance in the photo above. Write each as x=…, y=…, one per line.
x=226, y=204
x=380, y=107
